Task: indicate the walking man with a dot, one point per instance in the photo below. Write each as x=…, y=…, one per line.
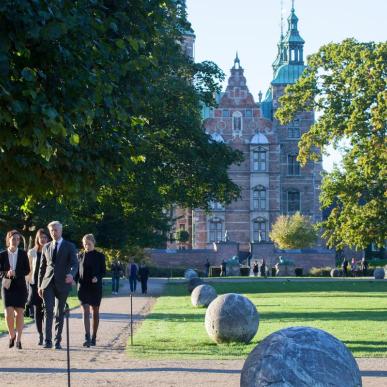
x=58, y=266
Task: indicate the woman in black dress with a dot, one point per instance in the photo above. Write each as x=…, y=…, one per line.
x=34, y=256
x=91, y=271
x=14, y=267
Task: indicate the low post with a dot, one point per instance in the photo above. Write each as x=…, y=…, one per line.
x=131, y=319
x=67, y=314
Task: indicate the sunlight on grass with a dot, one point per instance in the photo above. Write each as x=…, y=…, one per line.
x=354, y=312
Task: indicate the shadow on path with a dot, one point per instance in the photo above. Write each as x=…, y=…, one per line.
x=115, y=370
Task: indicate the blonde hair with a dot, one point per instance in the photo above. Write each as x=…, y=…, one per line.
x=89, y=237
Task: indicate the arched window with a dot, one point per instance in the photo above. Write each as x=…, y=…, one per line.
x=259, y=198
x=215, y=230
x=237, y=123
x=259, y=160
x=294, y=202
x=259, y=230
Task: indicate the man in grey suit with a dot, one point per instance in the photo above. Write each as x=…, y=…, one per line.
x=58, y=267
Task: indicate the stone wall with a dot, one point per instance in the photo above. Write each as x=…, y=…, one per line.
x=196, y=258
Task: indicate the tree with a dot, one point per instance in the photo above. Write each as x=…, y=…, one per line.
x=293, y=232
x=182, y=236
x=345, y=84
x=100, y=118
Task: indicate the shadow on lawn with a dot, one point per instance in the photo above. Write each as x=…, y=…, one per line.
x=366, y=315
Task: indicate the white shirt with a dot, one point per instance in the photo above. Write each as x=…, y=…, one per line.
x=59, y=242
x=12, y=258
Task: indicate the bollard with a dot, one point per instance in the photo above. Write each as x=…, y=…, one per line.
x=131, y=319
x=67, y=314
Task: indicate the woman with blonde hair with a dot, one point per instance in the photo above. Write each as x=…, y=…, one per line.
x=91, y=270
x=34, y=256
x=14, y=267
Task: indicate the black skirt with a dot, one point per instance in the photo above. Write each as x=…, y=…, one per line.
x=16, y=295
x=90, y=294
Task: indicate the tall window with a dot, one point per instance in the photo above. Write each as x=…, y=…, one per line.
x=215, y=231
x=259, y=230
x=293, y=166
x=259, y=198
x=237, y=122
x=294, y=129
x=259, y=161
x=293, y=201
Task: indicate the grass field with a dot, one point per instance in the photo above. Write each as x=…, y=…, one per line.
x=355, y=312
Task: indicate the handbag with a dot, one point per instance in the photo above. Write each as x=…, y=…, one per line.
x=6, y=283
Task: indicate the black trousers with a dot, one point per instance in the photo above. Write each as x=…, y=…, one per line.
x=54, y=298
x=144, y=285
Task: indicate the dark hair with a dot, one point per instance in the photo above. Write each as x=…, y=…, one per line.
x=10, y=234
x=38, y=234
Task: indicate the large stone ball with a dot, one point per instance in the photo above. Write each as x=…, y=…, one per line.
x=193, y=282
x=231, y=318
x=300, y=356
x=379, y=273
x=203, y=295
x=335, y=273
x=190, y=273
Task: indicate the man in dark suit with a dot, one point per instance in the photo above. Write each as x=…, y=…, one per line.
x=58, y=267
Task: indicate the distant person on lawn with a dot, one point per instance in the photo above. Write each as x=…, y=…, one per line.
x=344, y=266
x=116, y=270
x=143, y=273
x=255, y=268
x=132, y=272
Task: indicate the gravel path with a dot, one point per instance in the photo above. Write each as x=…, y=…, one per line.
x=108, y=364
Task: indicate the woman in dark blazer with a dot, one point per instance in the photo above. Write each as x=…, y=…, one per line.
x=90, y=273
x=34, y=256
x=14, y=267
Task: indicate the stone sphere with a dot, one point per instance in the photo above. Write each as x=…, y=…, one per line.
x=190, y=273
x=193, y=282
x=203, y=295
x=300, y=356
x=231, y=318
x=379, y=273
x=335, y=273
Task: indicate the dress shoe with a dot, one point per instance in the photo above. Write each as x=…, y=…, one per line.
x=18, y=345
x=40, y=342
x=93, y=341
x=87, y=340
x=58, y=346
x=48, y=344
x=11, y=342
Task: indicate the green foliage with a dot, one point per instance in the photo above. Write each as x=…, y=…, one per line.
x=346, y=84
x=293, y=232
x=182, y=236
x=100, y=122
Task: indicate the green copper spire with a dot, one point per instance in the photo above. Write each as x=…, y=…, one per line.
x=289, y=64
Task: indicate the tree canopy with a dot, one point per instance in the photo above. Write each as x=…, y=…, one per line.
x=293, y=232
x=345, y=83
x=100, y=117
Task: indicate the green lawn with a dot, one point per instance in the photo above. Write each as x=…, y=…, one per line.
x=355, y=312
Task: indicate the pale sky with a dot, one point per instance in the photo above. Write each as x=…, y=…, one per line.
x=252, y=27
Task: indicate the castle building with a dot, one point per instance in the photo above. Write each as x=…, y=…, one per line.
x=271, y=179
